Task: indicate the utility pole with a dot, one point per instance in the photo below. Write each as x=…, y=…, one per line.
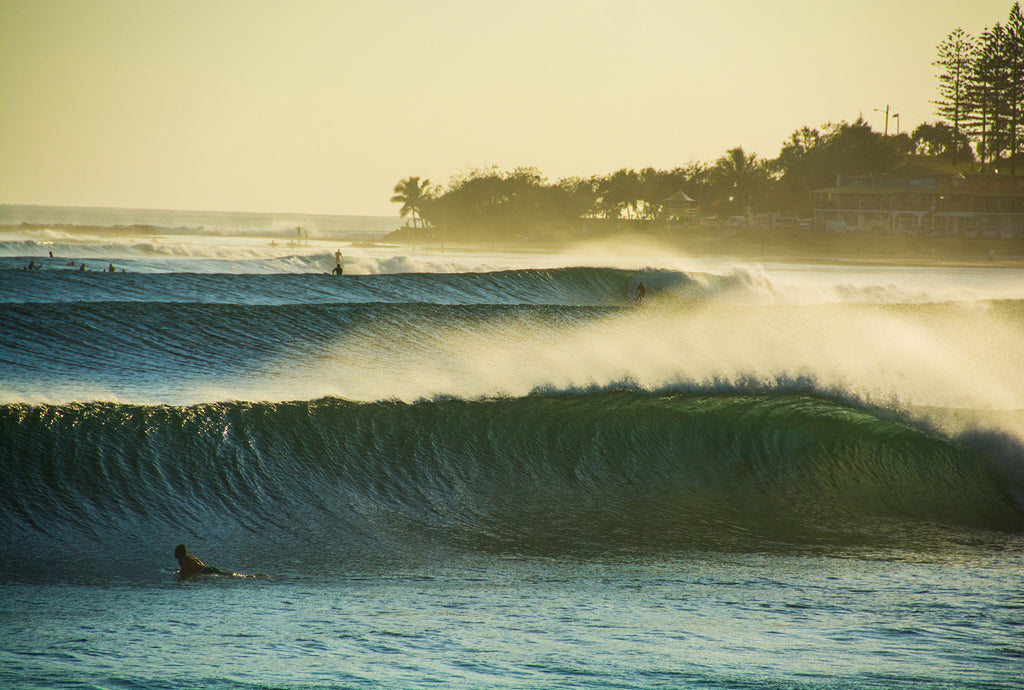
x=886, y=118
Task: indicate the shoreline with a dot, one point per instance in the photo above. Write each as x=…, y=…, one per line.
x=775, y=245
x=787, y=246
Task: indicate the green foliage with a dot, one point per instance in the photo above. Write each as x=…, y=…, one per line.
x=955, y=56
x=413, y=195
x=495, y=205
x=811, y=160
x=738, y=183
x=981, y=88
x=942, y=141
x=504, y=206
x=490, y=204
x=981, y=95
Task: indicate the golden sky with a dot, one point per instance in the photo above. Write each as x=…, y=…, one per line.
x=320, y=106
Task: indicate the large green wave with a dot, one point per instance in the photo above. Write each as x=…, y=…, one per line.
x=588, y=472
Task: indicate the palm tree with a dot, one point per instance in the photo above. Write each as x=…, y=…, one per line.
x=413, y=195
x=620, y=192
x=740, y=177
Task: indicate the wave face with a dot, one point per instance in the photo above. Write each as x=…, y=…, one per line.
x=186, y=338
x=322, y=482
x=566, y=286
x=230, y=394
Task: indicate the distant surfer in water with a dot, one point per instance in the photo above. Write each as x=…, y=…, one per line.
x=191, y=566
x=338, y=270
x=640, y=292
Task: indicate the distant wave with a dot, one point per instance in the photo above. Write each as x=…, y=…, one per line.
x=600, y=472
x=253, y=285
x=53, y=351
x=125, y=220
x=507, y=332
x=151, y=256
x=534, y=286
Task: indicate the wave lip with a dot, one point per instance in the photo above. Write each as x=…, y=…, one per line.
x=586, y=473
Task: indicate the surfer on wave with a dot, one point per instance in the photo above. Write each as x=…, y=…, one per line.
x=190, y=565
x=638, y=297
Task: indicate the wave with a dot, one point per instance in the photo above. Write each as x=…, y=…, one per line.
x=232, y=274
x=304, y=279
x=36, y=220
x=574, y=286
x=59, y=258
x=192, y=352
x=134, y=336
x=323, y=482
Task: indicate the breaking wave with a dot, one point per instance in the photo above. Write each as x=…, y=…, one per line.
x=587, y=472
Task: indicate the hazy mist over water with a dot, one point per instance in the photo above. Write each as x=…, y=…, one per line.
x=203, y=222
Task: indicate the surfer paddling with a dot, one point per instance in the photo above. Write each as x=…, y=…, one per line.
x=191, y=566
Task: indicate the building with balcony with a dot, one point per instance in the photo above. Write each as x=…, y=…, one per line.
x=949, y=205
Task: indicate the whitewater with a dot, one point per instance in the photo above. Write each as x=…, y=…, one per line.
x=491, y=467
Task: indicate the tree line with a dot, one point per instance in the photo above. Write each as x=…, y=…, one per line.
x=493, y=204
x=981, y=91
x=981, y=87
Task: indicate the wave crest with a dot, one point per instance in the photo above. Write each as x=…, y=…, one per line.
x=588, y=472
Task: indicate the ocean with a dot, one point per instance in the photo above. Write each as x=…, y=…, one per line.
x=477, y=467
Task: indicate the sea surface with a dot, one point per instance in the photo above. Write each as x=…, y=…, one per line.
x=477, y=468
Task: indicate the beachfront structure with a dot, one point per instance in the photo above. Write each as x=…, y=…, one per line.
x=950, y=205
x=678, y=207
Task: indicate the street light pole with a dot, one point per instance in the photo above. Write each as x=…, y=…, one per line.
x=897, y=116
x=886, y=117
